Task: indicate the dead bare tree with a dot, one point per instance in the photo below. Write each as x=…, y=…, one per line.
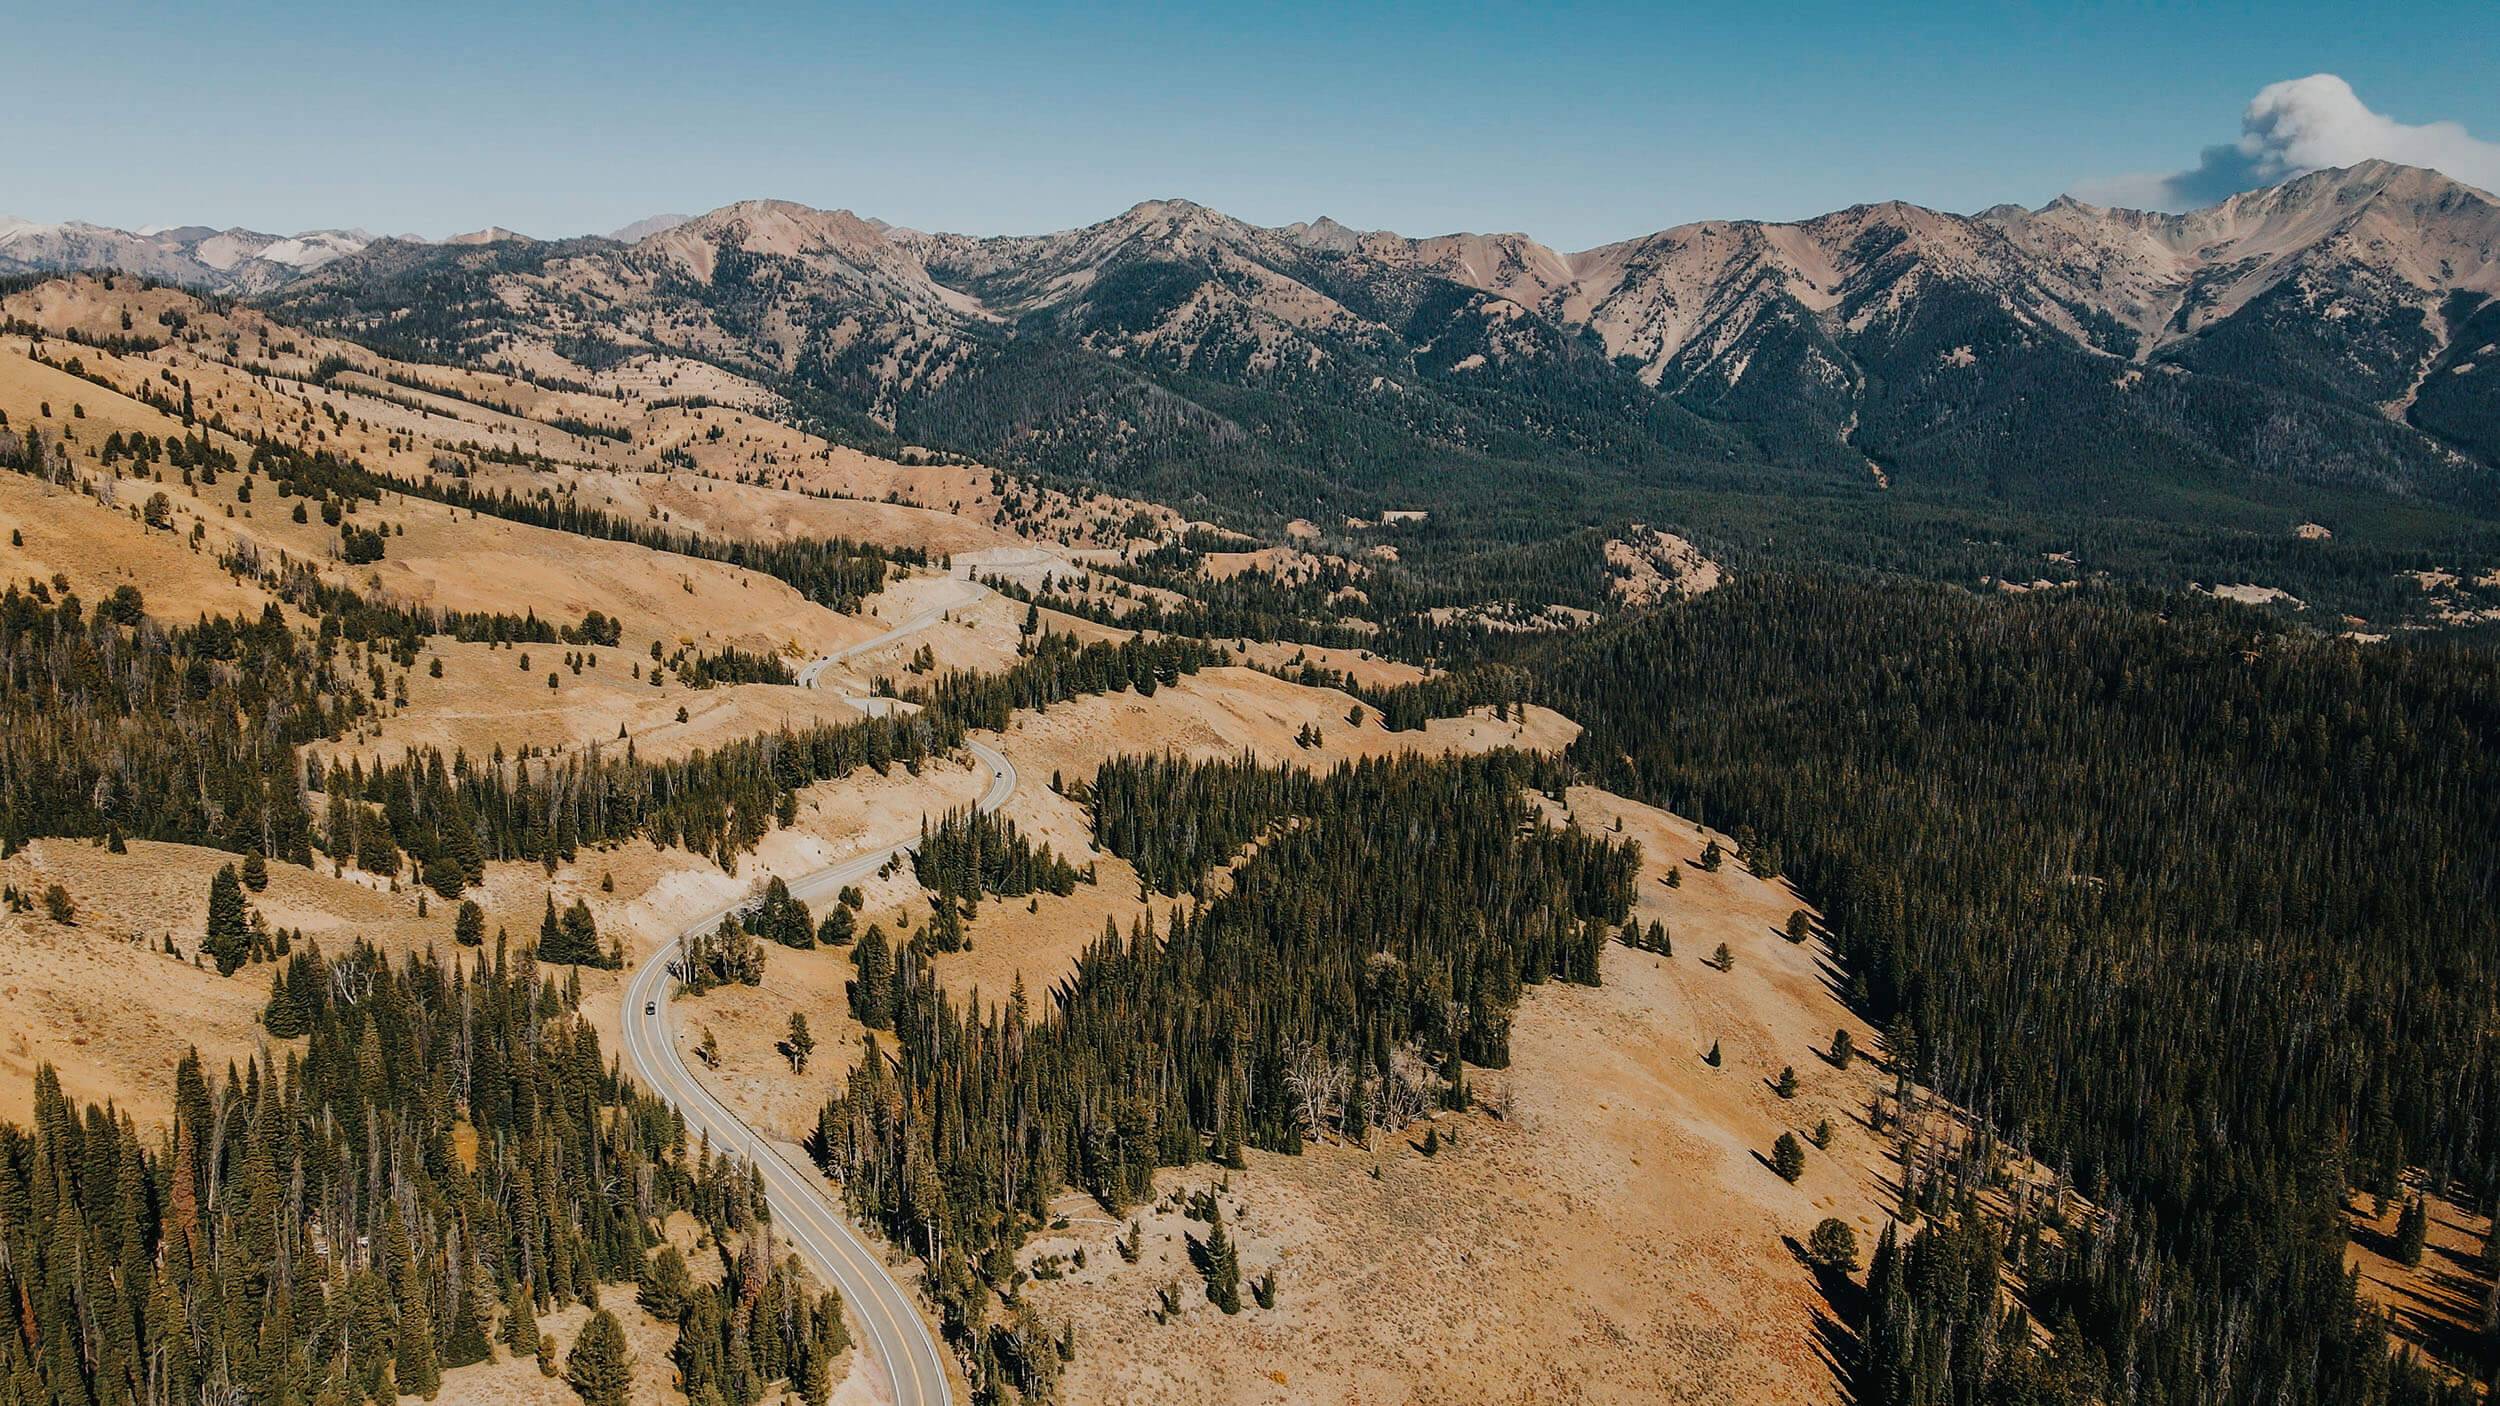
x=349, y=980
x=1318, y=1085
x=1405, y=1089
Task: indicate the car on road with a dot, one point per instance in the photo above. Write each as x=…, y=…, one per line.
x=650, y=1008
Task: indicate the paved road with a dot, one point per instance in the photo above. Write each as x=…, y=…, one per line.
x=973, y=592
x=825, y=1237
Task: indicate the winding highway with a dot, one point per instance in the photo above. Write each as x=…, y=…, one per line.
x=814, y=1222
x=974, y=593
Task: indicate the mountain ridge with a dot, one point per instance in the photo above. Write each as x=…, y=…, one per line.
x=2239, y=369
x=1455, y=251
x=1648, y=296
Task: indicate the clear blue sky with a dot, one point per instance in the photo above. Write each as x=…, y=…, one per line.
x=1578, y=125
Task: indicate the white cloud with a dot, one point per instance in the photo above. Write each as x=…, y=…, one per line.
x=2301, y=125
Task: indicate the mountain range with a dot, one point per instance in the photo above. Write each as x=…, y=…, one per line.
x=2322, y=350
x=216, y=260
x=220, y=260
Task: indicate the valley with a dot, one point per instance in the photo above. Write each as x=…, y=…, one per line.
x=1881, y=809
x=229, y=545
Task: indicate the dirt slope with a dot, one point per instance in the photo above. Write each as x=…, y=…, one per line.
x=1613, y=1237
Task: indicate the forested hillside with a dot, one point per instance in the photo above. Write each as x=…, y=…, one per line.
x=1334, y=988
x=2193, y=907
x=444, y=1156
x=110, y=724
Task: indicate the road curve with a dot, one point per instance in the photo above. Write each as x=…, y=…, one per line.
x=814, y=1223
x=917, y=623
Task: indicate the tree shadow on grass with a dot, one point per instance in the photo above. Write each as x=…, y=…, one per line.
x=1844, y=1304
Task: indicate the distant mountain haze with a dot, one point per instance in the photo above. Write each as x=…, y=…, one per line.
x=225, y=261
x=231, y=260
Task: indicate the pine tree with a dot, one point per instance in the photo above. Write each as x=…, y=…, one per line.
x=284, y=1015
x=1788, y=1157
x=665, y=1284
x=597, y=1369
x=1883, y=1376
x=1225, y=1150
x=1833, y=1246
x=255, y=872
x=835, y=930
x=415, y=1368
x=520, y=1318
x=570, y=938
x=1219, y=1261
x=782, y=918
x=816, y=1382
x=465, y=856
x=798, y=1045
x=870, y=1003
x=1787, y=1085
x=581, y=936
x=229, y=939
x=466, y=1343
x=2412, y=1230
x=468, y=926
x=1843, y=1049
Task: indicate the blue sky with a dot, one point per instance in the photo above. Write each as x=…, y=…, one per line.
x=1578, y=124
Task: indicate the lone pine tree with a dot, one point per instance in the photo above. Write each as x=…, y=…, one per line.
x=1219, y=1261
x=1788, y=1157
x=229, y=939
x=598, y=1369
x=2412, y=1230
x=1833, y=1246
x=799, y=1045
